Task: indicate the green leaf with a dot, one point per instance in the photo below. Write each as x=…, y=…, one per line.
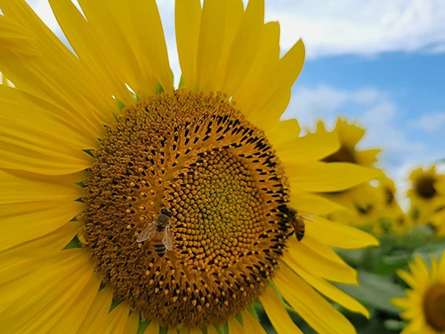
x=394, y=325
x=143, y=324
x=431, y=250
x=120, y=104
x=74, y=243
x=159, y=89
x=375, y=291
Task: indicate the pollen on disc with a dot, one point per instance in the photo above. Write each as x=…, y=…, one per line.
x=196, y=158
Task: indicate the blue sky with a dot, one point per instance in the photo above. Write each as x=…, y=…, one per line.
x=398, y=96
x=380, y=63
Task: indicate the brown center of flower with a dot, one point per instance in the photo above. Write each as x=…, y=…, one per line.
x=389, y=196
x=425, y=187
x=434, y=307
x=182, y=209
x=343, y=154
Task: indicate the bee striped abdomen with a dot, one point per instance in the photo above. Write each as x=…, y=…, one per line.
x=160, y=249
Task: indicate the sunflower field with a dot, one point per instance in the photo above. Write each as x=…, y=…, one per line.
x=143, y=192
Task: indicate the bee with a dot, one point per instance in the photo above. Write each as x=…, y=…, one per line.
x=158, y=231
x=291, y=216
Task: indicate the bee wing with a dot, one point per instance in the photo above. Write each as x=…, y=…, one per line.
x=307, y=217
x=167, y=238
x=147, y=233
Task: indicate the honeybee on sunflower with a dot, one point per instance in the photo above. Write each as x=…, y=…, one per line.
x=427, y=197
x=131, y=205
x=423, y=305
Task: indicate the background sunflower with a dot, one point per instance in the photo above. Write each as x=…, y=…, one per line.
x=427, y=197
x=423, y=305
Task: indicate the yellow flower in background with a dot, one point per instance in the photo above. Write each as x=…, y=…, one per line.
x=363, y=205
x=427, y=197
x=349, y=134
x=124, y=199
x=372, y=206
x=423, y=306
x=391, y=217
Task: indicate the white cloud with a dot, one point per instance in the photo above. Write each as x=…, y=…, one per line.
x=431, y=122
x=361, y=27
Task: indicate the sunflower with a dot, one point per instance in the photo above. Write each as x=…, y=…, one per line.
x=391, y=217
x=427, y=197
x=372, y=206
x=423, y=306
x=363, y=203
x=349, y=134
x=129, y=205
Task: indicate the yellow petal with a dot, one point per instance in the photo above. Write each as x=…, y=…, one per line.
x=213, y=26
x=313, y=204
x=90, y=48
x=21, y=222
x=317, y=263
x=187, y=23
x=251, y=324
x=25, y=258
x=56, y=75
x=419, y=270
x=330, y=291
x=118, y=319
x=314, y=309
x=367, y=157
x=327, y=177
x=212, y=330
x=43, y=298
x=33, y=139
x=235, y=14
x=315, y=245
x=277, y=313
x=139, y=60
x=152, y=328
x=75, y=309
x=98, y=317
x=273, y=109
x=283, y=133
x=311, y=147
x=14, y=40
x=349, y=133
x=235, y=327
x=338, y=235
x=47, y=204
x=38, y=187
x=408, y=278
x=153, y=53
x=281, y=78
x=195, y=331
x=132, y=323
x=266, y=58
x=245, y=46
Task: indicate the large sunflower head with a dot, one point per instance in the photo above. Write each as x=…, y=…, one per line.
x=427, y=196
x=423, y=306
x=129, y=203
x=349, y=135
